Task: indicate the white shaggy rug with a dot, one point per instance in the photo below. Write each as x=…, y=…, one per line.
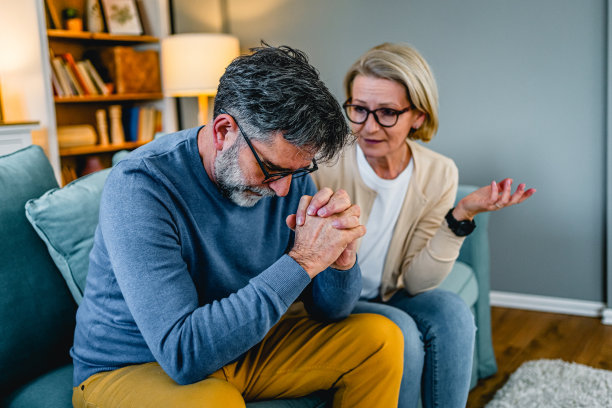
x=555, y=383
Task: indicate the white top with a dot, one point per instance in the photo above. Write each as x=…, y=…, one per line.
x=385, y=210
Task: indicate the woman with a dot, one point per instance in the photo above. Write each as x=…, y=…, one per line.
x=406, y=194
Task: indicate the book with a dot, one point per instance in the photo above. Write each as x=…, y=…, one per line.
x=142, y=125
x=130, y=123
x=80, y=81
x=74, y=83
x=91, y=88
x=57, y=87
x=95, y=76
x=159, y=125
x=62, y=76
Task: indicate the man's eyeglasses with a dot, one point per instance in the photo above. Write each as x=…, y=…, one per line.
x=273, y=176
x=385, y=117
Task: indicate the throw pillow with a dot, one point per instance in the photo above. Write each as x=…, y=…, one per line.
x=66, y=219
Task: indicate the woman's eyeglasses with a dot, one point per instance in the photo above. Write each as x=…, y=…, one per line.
x=385, y=117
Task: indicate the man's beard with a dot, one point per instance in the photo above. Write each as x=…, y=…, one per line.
x=230, y=179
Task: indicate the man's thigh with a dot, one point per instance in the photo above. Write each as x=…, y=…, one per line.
x=301, y=355
x=147, y=385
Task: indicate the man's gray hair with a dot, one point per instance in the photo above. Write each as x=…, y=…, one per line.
x=275, y=89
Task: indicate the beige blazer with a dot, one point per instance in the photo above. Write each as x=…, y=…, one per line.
x=423, y=249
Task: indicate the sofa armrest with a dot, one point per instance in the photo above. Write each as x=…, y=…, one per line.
x=475, y=253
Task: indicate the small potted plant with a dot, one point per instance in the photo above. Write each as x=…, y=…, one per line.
x=72, y=20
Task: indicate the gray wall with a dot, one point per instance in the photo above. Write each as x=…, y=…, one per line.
x=522, y=95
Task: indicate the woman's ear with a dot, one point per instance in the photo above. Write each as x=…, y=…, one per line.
x=223, y=128
x=419, y=120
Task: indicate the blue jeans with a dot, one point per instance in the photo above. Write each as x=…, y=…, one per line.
x=439, y=334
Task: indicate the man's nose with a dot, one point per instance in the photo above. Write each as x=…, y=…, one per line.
x=281, y=186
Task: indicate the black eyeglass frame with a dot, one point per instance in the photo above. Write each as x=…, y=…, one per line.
x=270, y=177
x=397, y=113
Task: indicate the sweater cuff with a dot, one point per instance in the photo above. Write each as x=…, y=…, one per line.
x=286, y=277
x=341, y=279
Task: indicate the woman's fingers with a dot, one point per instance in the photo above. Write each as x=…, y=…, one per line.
x=506, y=191
x=518, y=194
x=518, y=197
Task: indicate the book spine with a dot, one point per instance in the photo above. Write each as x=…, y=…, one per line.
x=62, y=76
x=74, y=83
x=75, y=71
x=141, y=123
x=130, y=123
x=57, y=87
x=159, y=125
x=97, y=79
x=91, y=88
x=150, y=125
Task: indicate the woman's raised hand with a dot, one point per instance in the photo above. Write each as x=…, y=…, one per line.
x=491, y=198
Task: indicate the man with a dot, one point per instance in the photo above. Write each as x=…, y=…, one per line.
x=194, y=264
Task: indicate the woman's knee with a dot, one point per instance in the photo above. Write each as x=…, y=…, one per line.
x=437, y=307
x=450, y=308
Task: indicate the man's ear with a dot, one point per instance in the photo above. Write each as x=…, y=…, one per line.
x=224, y=130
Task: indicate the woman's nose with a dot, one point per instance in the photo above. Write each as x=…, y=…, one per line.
x=371, y=125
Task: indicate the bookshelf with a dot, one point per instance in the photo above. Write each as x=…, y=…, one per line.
x=78, y=107
x=95, y=149
x=109, y=98
x=99, y=37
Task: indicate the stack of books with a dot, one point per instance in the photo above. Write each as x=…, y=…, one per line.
x=75, y=78
x=141, y=123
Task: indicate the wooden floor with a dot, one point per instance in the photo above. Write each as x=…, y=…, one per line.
x=520, y=335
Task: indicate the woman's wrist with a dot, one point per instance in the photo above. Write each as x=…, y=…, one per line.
x=461, y=214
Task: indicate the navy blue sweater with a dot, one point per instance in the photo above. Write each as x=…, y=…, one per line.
x=180, y=275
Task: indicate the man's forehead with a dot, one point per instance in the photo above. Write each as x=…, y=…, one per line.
x=279, y=150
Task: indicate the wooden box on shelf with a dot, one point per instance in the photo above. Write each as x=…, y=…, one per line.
x=133, y=71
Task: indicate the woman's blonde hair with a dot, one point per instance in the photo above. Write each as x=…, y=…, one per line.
x=403, y=64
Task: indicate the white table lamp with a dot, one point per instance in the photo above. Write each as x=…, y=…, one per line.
x=192, y=65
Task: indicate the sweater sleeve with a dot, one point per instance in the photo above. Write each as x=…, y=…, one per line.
x=433, y=249
x=189, y=340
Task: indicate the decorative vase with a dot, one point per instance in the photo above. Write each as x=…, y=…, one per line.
x=95, y=21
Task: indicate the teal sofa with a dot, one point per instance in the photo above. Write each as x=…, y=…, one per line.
x=43, y=263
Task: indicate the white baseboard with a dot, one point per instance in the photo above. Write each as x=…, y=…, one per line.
x=552, y=305
x=607, y=316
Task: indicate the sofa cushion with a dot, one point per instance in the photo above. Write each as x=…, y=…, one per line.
x=36, y=310
x=52, y=390
x=66, y=219
x=320, y=399
x=461, y=280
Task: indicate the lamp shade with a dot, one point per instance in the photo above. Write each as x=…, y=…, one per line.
x=192, y=64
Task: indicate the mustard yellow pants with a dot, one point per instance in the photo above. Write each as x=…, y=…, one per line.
x=360, y=358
